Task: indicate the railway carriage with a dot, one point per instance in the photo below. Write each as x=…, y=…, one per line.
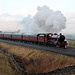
x=7, y=35
x=1, y=35
x=17, y=36
x=29, y=37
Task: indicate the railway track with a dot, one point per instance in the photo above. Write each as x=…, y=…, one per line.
x=67, y=52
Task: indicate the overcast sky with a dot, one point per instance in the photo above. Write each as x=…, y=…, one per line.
x=13, y=11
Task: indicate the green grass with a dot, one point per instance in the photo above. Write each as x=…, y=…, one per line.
x=6, y=66
x=71, y=43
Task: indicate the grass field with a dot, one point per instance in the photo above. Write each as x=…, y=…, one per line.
x=6, y=66
x=38, y=61
x=71, y=43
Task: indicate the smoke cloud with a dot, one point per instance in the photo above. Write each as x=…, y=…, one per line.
x=45, y=20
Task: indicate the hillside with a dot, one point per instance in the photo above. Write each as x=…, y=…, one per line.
x=6, y=66
x=71, y=43
x=41, y=60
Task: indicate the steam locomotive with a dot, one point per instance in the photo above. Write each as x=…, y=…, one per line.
x=47, y=39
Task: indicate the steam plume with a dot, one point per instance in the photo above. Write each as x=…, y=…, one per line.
x=45, y=20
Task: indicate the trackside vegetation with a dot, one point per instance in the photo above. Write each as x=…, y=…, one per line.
x=71, y=43
x=33, y=60
x=6, y=66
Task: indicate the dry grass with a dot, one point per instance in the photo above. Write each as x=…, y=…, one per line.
x=6, y=67
x=37, y=61
x=71, y=74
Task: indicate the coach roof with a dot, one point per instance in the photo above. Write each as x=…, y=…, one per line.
x=30, y=34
